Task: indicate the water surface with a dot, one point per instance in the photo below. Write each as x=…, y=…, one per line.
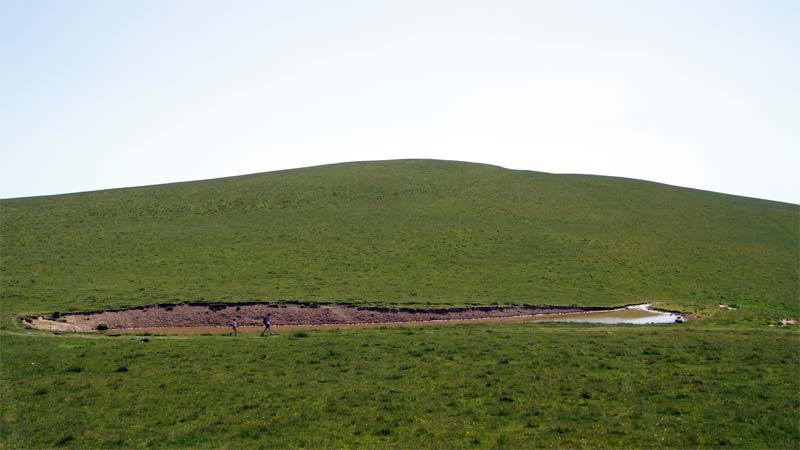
x=639, y=314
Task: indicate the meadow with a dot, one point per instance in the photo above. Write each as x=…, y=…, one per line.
x=410, y=233
x=468, y=386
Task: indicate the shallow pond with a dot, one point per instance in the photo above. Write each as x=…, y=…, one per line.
x=198, y=321
x=639, y=314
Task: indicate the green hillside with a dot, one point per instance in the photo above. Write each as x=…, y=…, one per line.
x=404, y=232
x=400, y=232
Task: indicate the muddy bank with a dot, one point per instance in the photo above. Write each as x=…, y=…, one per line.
x=252, y=314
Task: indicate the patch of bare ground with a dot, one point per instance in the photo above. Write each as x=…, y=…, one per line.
x=45, y=324
x=211, y=316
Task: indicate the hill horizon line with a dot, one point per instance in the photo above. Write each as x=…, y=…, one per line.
x=398, y=160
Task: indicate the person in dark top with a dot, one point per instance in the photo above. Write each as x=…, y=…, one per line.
x=267, y=326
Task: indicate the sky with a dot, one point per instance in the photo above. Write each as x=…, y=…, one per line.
x=107, y=94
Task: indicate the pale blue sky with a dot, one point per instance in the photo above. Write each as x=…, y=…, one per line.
x=102, y=94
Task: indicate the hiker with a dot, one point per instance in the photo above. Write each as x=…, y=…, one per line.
x=267, y=325
x=235, y=326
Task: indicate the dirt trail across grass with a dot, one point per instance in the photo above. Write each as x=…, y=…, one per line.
x=208, y=317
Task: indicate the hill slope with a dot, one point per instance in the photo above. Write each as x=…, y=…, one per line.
x=411, y=231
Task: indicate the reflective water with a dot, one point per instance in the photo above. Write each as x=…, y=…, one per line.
x=639, y=314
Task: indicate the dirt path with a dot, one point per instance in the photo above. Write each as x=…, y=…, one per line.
x=213, y=318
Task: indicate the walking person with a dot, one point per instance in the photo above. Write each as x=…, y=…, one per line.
x=267, y=326
x=235, y=326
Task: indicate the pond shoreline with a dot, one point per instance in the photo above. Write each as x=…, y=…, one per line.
x=291, y=315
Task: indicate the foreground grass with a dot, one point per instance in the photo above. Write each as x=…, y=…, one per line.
x=401, y=232
x=470, y=386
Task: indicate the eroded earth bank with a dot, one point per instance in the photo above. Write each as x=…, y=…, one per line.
x=252, y=314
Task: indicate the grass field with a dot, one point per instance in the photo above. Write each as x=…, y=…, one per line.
x=405, y=233
x=469, y=386
x=401, y=232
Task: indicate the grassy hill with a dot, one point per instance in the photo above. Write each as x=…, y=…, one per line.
x=400, y=232
x=404, y=232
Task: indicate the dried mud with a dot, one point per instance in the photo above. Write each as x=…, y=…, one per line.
x=212, y=316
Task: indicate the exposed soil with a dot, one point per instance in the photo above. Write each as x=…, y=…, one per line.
x=251, y=315
x=45, y=324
